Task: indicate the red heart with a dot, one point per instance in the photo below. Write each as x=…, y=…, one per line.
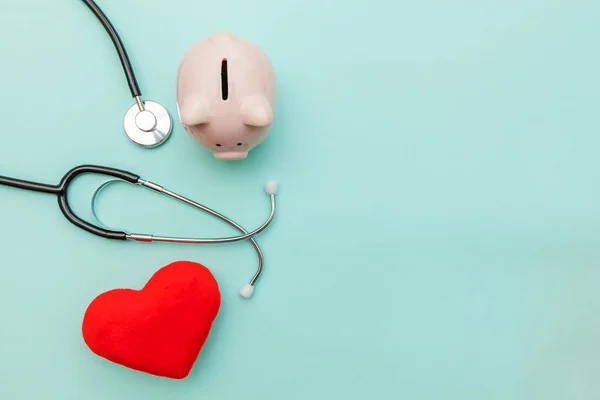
x=160, y=329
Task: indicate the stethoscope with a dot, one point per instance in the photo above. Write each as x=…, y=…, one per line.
x=146, y=123
x=60, y=191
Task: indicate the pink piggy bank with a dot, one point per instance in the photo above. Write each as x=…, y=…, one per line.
x=226, y=95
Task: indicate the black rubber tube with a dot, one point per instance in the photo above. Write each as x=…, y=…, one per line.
x=28, y=185
x=63, y=201
x=131, y=80
x=61, y=189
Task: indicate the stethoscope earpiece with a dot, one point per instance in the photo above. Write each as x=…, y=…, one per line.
x=271, y=187
x=247, y=291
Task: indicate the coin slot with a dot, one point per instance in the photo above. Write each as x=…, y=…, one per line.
x=224, y=80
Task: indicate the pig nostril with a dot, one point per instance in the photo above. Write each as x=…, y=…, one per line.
x=239, y=144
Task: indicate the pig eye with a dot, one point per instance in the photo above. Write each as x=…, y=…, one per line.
x=224, y=80
x=218, y=145
x=239, y=144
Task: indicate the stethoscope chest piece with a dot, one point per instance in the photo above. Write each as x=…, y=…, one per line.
x=148, y=124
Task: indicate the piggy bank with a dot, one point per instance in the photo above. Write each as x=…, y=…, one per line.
x=226, y=95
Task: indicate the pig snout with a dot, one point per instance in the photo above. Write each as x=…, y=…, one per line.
x=235, y=151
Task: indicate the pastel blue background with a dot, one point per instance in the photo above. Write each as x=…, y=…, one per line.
x=439, y=226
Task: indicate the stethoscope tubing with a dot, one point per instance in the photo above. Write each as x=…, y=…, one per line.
x=61, y=190
x=123, y=56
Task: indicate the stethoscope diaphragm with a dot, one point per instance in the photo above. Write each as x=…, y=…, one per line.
x=148, y=125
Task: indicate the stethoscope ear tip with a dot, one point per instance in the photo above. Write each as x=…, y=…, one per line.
x=247, y=291
x=271, y=187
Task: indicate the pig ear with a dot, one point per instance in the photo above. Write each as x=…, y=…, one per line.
x=194, y=111
x=256, y=111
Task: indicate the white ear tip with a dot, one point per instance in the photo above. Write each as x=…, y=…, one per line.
x=247, y=291
x=271, y=187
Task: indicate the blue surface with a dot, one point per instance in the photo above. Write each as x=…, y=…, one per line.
x=439, y=225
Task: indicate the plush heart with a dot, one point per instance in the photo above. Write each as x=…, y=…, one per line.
x=159, y=329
